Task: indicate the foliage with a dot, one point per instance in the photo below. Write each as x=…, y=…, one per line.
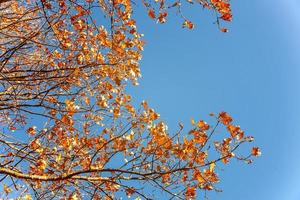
x=69, y=129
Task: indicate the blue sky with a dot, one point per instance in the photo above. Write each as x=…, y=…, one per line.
x=252, y=72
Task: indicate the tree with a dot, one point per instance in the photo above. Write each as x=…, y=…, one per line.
x=69, y=129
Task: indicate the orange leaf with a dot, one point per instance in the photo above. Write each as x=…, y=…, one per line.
x=227, y=17
x=225, y=118
x=31, y=130
x=130, y=191
x=198, y=176
x=6, y=189
x=145, y=105
x=191, y=191
x=224, y=30
x=188, y=24
x=162, y=17
x=203, y=125
x=256, y=151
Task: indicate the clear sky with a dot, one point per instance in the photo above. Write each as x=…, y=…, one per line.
x=252, y=72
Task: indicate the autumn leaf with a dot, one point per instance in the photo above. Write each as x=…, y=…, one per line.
x=193, y=122
x=188, y=24
x=27, y=197
x=199, y=137
x=32, y=130
x=6, y=189
x=235, y=132
x=130, y=191
x=151, y=14
x=191, y=191
x=203, y=125
x=224, y=30
x=165, y=178
x=145, y=105
x=208, y=187
x=73, y=197
x=212, y=167
x=162, y=17
x=198, y=176
x=185, y=176
x=227, y=17
x=225, y=118
x=35, y=144
x=256, y=151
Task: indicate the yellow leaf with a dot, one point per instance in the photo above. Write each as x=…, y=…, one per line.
x=73, y=197
x=212, y=167
x=193, y=122
x=200, y=178
x=27, y=197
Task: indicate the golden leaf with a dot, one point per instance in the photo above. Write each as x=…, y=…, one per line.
x=6, y=189
x=212, y=167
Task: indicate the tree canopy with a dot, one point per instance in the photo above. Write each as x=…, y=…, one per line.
x=69, y=128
